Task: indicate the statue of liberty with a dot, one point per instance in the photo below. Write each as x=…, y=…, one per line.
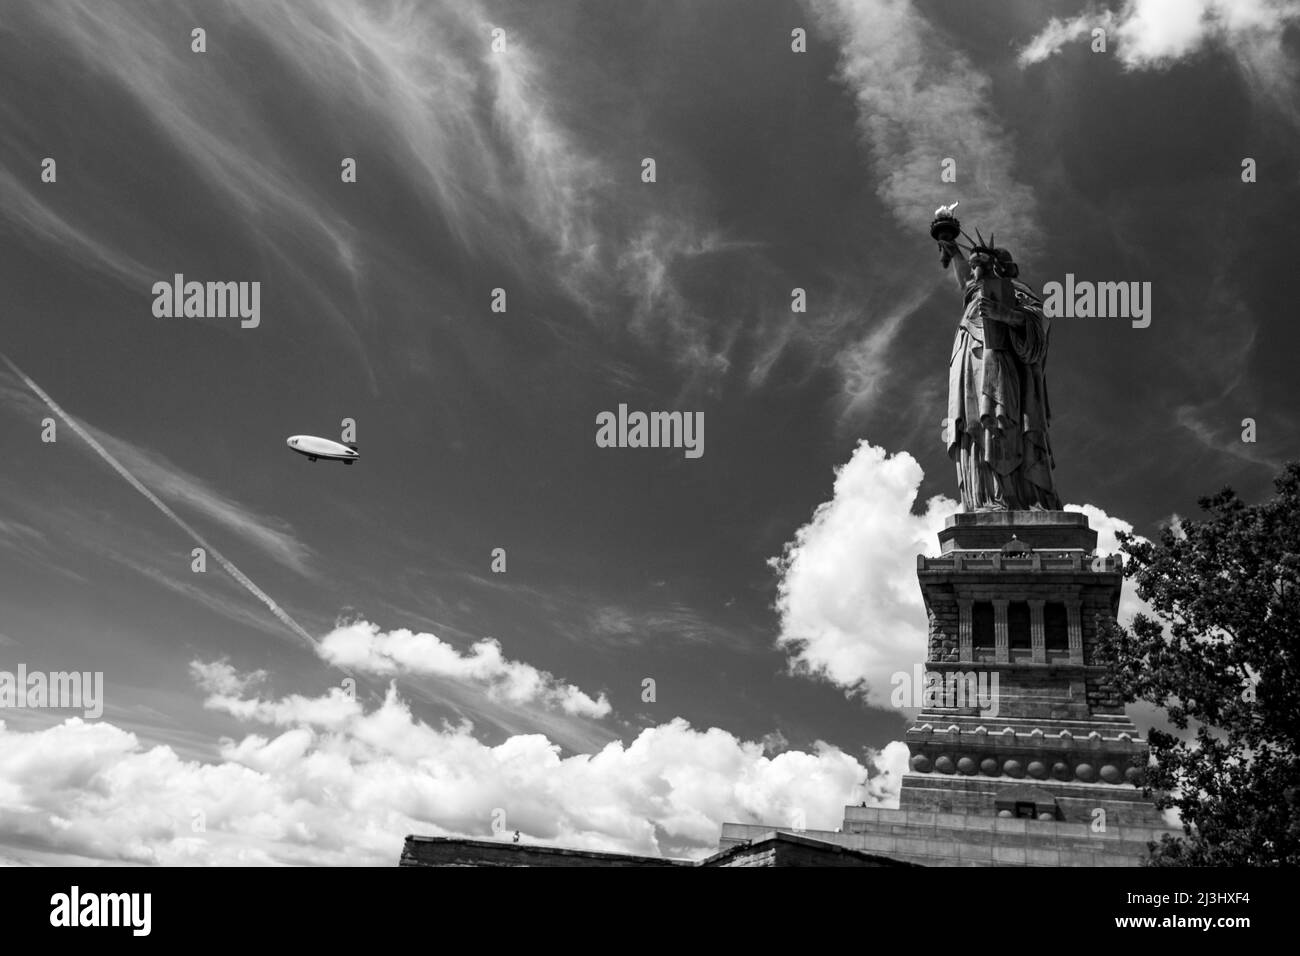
x=998, y=411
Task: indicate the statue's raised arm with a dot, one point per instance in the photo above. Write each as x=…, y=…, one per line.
x=944, y=229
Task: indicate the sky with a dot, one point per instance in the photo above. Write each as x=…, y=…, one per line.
x=350, y=667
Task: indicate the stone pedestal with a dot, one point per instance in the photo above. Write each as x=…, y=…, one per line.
x=1015, y=600
x=1022, y=755
x=1021, y=727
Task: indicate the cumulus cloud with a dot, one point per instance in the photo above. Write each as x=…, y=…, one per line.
x=1153, y=33
x=850, y=607
x=1157, y=33
x=226, y=689
x=336, y=784
x=851, y=611
x=362, y=646
x=920, y=101
x=885, y=775
x=1106, y=526
x=218, y=677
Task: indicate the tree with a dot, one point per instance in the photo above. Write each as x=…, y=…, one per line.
x=1222, y=656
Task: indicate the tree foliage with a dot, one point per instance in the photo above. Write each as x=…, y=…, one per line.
x=1222, y=659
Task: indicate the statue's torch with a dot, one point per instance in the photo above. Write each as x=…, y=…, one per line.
x=945, y=227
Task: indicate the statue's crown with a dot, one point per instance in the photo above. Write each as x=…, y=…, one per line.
x=999, y=258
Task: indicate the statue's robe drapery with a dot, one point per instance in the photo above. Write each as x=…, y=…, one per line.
x=997, y=406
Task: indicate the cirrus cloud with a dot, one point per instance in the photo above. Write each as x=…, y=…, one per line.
x=920, y=101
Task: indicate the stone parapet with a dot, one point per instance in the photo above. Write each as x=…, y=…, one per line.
x=985, y=531
x=930, y=838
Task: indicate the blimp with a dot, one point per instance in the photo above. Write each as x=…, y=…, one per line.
x=314, y=448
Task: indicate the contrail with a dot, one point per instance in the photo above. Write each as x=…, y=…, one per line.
x=135, y=483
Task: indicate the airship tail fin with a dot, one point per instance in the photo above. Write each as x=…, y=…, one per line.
x=352, y=445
